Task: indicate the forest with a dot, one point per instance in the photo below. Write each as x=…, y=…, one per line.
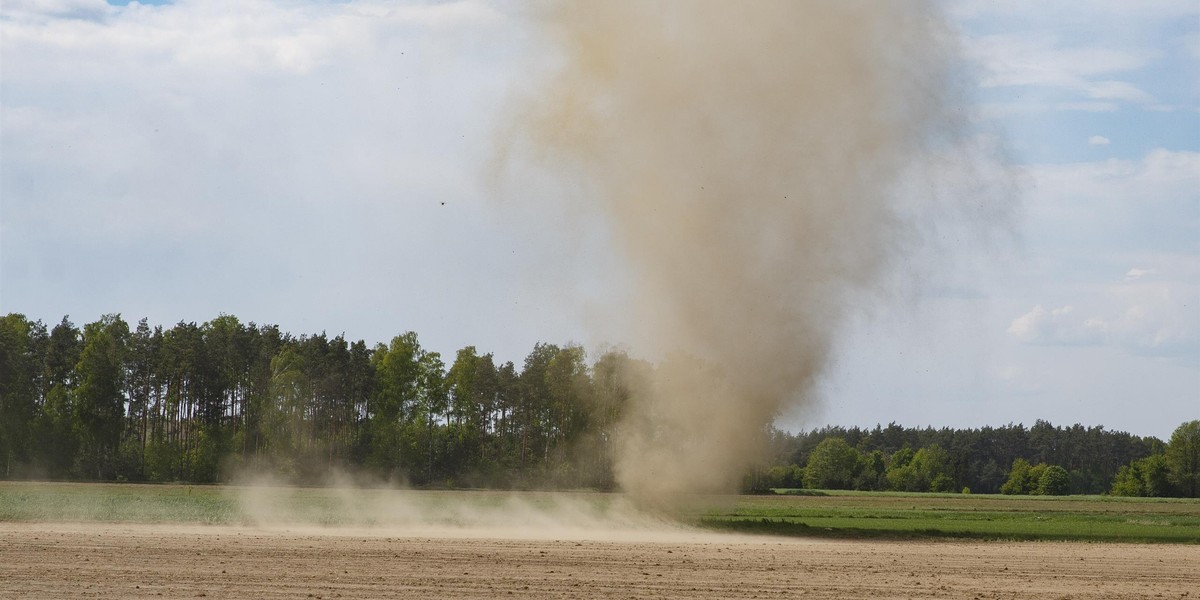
x=1012, y=459
x=205, y=403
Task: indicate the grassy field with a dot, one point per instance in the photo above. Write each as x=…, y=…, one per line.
x=811, y=513
x=234, y=505
x=116, y=502
x=976, y=516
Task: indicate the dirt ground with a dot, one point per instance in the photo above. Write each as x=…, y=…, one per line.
x=39, y=560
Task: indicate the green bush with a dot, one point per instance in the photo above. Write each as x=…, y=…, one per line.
x=1055, y=481
x=1038, y=480
x=833, y=464
x=1128, y=482
x=1017, y=475
x=1144, y=477
x=1182, y=459
x=942, y=483
x=924, y=472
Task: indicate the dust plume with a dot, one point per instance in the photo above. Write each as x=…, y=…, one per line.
x=766, y=170
x=344, y=502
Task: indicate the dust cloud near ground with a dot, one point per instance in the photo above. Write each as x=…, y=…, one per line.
x=765, y=170
x=74, y=560
x=356, y=505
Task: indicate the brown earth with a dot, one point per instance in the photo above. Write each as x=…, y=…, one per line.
x=41, y=560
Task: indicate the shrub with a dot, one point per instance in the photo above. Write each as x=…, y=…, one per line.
x=942, y=483
x=1055, y=481
x=1183, y=459
x=1018, y=477
x=833, y=464
x=1143, y=477
x=1128, y=482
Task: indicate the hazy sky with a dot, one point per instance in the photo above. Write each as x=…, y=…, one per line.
x=324, y=166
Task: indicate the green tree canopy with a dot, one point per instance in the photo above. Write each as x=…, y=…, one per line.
x=1055, y=481
x=1183, y=459
x=198, y=402
x=928, y=466
x=1019, y=480
x=833, y=464
x=1147, y=476
x=19, y=366
x=99, y=403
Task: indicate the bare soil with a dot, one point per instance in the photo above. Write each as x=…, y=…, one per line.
x=86, y=560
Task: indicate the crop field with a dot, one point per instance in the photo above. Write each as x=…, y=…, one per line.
x=827, y=514
x=141, y=541
x=988, y=517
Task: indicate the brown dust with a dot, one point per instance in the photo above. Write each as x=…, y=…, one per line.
x=765, y=170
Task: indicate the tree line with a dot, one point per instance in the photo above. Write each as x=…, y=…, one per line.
x=1011, y=459
x=204, y=402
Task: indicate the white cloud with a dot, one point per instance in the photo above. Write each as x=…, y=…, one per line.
x=1095, y=107
x=1116, y=11
x=1022, y=60
x=161, y=157
x=213, y=37
x=1143, y=317
x=1002, y=110
x=1114, y=207
x=1055, y=326
x=1116, y=90
x=1170, y=108
x=1098, y=140
x=1116, y=248
x=1158, y=318
x=45, y=10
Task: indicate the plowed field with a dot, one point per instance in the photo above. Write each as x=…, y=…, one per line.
x=87, y=560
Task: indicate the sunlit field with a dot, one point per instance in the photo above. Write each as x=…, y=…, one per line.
x=821, y=514
x=70, y=540
x=978, y=516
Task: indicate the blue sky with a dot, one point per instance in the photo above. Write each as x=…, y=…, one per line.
x=287, y=162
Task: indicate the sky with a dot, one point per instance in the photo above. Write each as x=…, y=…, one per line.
x=327, y=166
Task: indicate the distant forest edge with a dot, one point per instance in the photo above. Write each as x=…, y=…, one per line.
x=203, y=403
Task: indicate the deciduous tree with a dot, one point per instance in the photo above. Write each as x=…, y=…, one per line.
x=1183, y=458
x=833, y=464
